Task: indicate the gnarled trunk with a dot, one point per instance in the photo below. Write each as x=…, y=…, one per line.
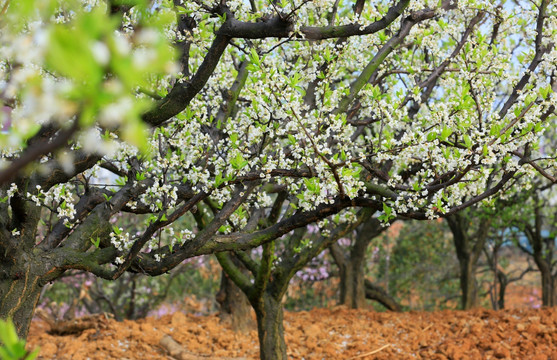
x=20, y=290
x=270, y=328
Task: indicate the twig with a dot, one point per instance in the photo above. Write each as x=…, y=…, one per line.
x=370, y=353
x=5, y=7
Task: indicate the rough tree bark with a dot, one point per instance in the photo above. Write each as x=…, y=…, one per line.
x=19, y=299
x=270, y=328
x=21, y=269
x=20, y=288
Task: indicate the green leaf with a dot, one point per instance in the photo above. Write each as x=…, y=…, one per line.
x=545, y=91
x=238, y=162
x=234, y=140
x=529, y=98
x=254, y=57
x=312, y=184
x=11, y=348
x=495, y=130
x=8, y=334
x=467, y=141
x=96, y=242
x=135, y=132
x=218, y=179
x=387, y=210
x=72, y=58
x=445, y=133
x=122, y=180
x=292, y=139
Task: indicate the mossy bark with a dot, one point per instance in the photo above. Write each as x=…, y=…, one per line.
x=270, y=328
x=20, y=290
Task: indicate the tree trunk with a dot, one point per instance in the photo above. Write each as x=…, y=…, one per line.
x=554, y=294
x=234, y=305
x=19, y=294
x=270, y=328
x=503, y=282
x=543, y=257
x=468, y=284
x=548, y=288
x=468, y=253
x=352, y=287
x=352, y=267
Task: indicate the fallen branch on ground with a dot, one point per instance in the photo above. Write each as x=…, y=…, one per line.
x=178, y=352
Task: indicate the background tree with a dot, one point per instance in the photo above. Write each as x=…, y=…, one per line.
x=422, y=268
x=538, y=223
x=404, y=108
x=470, y=233
x=496, y=250
x=234, y=305
x=354, y=287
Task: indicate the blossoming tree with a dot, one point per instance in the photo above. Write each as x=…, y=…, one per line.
x=273, y=115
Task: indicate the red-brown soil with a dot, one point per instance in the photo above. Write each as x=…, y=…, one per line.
x=335, y=333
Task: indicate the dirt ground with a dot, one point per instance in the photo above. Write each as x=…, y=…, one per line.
x=335, y=333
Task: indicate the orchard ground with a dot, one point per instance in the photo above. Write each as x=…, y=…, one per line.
x=328, y=333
